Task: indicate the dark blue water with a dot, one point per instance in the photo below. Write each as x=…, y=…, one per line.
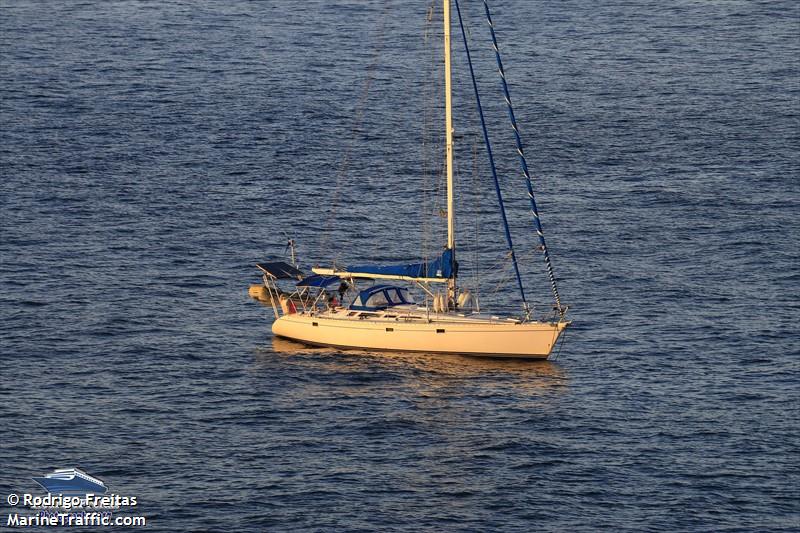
x=152, y=152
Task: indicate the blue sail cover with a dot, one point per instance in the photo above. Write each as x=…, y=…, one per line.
x=441, y=267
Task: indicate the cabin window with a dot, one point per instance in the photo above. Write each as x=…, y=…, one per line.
x=377, y=300
x=405, y=297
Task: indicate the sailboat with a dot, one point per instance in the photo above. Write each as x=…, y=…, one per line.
x=383, y=315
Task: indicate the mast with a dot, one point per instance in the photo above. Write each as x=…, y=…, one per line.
x=448, y=114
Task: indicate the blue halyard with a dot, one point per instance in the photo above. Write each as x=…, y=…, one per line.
x=509, y=241
x=523, y=163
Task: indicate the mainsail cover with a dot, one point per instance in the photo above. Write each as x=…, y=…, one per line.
x=441, y=267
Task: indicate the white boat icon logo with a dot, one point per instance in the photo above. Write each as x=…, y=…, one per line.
x=71, y=481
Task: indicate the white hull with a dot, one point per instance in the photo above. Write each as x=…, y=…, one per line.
x=445, y=333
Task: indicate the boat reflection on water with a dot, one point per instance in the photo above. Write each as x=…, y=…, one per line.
x=537, y=373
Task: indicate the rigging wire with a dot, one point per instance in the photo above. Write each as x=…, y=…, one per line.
x=563, y=341
x=503, y=280
x=359, y=112
x=509, y=241
x=528, y=180
x=431, y=165
x=425, y=162
x=477, y=199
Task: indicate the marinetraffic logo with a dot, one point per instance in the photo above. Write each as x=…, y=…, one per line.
x=74, y=498
x=72, y=482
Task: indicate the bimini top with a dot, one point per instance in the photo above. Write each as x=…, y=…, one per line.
x=280, y=270
x=380, y=297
